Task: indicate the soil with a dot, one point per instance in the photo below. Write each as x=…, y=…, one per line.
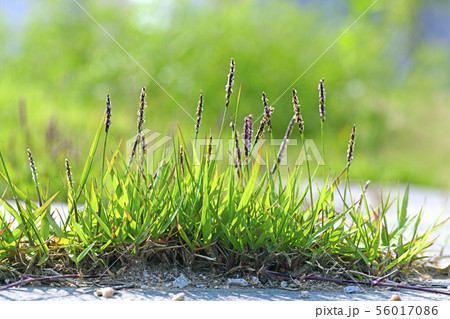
x=164, y=277
x=155, y=272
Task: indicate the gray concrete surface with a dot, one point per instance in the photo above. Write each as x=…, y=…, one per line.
x=234, y=294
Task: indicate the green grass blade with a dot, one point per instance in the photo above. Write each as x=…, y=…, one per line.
x=251, y=183
x=80, y=233
x=84, y=252
x=401, y=216
x=90, y=159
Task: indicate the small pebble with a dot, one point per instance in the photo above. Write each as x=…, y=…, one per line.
x=255, y=280
x=107, y=292
x=237, y=282
x=395, y=298
x=7, y=281
x=284, y=284
x=304, y=294
x=178, y=297
x=200, y=286
x=181, y=282
x=448, y=287
x=351, y=289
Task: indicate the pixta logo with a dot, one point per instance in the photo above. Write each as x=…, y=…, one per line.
x=153, y=147
x=150, y=146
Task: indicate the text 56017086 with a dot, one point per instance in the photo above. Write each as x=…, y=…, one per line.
x=407, y=310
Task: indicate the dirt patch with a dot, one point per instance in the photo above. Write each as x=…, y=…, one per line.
x=178, y=268
x=167, y=277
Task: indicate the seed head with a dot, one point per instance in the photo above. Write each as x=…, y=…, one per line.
x=260, y=131
x=209, y=148
x=298, y=116
x=236, y=142
x=199, y=112
x=141, y=114
x=35, y=177
x=351, y=146
x=322, y=100
x=69, y=175
x=228, y=87
x=267, y=112
x=182, y=160
x=265, y=121
x=143, y=148
x=247, y=140
x=34, y=174
x=108, y=114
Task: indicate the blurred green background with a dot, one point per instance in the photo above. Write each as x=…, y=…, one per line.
x=389, y=74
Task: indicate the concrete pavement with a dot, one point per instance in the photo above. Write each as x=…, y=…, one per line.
x=233, y=294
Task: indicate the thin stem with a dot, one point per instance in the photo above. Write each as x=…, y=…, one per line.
x=283, y=145
x=373, y=283
x=102, y=178
x=28, y=279
x=350, y=150
x=107, y=126
x=35, y=177
x=229, y=90
x=322, y=139
x=323, y=157
x=309, y=176
x=103, y=163
x=72, y=192
x=345, y=189
x=223, y=122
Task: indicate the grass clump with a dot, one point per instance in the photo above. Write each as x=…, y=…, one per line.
x=200, y=208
